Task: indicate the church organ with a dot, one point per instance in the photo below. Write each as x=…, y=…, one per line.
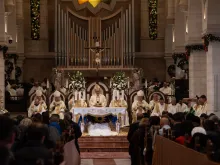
x=75, y=32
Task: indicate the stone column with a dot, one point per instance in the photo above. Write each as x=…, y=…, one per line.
x=20, y=35
x=144, y=18
x=2, y=43
x=197, y=60
x=211, y=25
x=169, y=35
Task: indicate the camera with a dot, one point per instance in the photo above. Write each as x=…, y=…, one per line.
x=10, y=39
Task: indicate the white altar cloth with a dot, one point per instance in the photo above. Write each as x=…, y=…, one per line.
x=101, y=112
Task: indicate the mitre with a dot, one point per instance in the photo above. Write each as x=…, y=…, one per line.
x=56, y=94
x=140, y=93
x=38, y=93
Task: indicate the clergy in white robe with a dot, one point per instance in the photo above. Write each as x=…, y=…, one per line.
x=11, y=90
x=38, y=105
x=172, y=107
x=159, y=108
x=165, y=89
x=154, y=101
x=57, y=106
x=201, y=107
x=139, y=106
x=98, y=99
x=181, y=107
x=35, y=88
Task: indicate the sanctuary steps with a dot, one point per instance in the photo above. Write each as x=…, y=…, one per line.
x=103, y=144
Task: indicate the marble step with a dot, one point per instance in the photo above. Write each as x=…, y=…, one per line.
x=109, y=144
x=104, y=149
x=103, y=138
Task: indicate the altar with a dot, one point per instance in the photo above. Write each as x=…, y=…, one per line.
x=120, y=112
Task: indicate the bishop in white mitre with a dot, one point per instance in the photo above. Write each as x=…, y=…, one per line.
x=159, y=108
x=139, y=105
x=57, y=106
x=38, y=105
x=97, y=99
x=172, y=107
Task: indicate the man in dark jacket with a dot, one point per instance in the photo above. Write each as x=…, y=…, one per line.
x=133, y=127
x=34, y=152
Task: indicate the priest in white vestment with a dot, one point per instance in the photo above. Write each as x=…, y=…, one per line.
x=98, y=99
x=159, y=108
x=38, y=105
x=35, y=88
x=57, y=106
x=139, y=105
x=201, y=106
x=11, y=91
x=99, y=129
x=172, y=107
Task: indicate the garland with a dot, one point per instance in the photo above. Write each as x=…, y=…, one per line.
x=177, y=56
x=119, y=81
x=209, y=38
x=4, y=49
x=171, y=70
x=35, y=19
x=183, y=64
x=77, y=81
x=191, y=48
x=153, y=19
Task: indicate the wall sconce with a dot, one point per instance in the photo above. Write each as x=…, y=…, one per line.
x=6, y=24
x=173, y=35
x=187, y=29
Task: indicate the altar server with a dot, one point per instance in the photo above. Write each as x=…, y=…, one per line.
x=98, y=99
x=172, y=107
x=159, y=108
x=38, y=105
x=57, y=106
x=139, y=105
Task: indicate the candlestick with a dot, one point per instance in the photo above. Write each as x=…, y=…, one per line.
x=67, y=84
x=48, y=84
x=76, y=95
x=123, y=94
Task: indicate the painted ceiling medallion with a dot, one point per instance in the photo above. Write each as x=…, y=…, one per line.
x=94, y=3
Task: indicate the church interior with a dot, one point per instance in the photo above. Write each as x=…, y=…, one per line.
x=115, y=82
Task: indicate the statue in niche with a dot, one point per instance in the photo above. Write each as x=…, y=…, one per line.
x=58, y=79
x=137, y=76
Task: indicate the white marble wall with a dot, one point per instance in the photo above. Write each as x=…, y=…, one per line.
x=197, y=74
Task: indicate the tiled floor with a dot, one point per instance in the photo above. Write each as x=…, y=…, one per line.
x=105, y=162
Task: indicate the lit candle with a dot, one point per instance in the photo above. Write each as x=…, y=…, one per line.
x=76, y=95
x=123, y=94
x=67, y=84
x=48, y=84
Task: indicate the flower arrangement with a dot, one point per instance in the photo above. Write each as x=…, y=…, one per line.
x=76, y=81
x=119, y=81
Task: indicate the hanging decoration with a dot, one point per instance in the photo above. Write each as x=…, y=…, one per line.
x=209, y=38
x=4, y=49
x=153, y=19
x=191, y=48
x=119, y=81
x=171, y=70
x=76, y=82
x=177, y=56
x=35, y=19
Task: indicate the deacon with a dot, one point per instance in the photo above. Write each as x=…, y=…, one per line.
x=159, y=108
x=139, y=106
x=98, y=99
x=38, y=105
x=57, y=106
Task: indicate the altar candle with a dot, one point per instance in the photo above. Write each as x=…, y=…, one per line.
x=118, y=95
x=76, y=95
x=123, y=94
x=48, y=84
x=128, y=82
x=80, y=95
x=84, y=95
x=67, y=84
x=145, y=83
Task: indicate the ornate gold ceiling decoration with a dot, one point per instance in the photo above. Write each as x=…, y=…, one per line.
x=95, y=5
